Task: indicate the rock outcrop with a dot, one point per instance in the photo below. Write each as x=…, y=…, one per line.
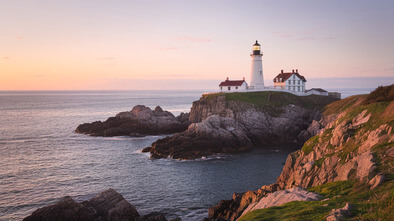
x=347, y=142
x=281, y=197
x=107, y=205
x=214, y=135
x=339, y=214
x=140, y=121
x=224, y=124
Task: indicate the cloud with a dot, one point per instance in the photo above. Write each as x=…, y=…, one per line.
x=301, y=36
x=6, y=58
x=106, y=58
x=19, y=38
x=169, y=49
x=192, y=39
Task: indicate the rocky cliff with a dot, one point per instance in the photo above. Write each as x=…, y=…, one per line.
x=352, y=148
x=235, y=122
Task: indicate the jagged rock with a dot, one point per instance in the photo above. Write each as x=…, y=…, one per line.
x=66, y=209
x=390, y=152
x=338, y=214
x=146, y=150
x=281, y=197
x=214, y=135
x=153, y=217
x=376, y=181
x=233, y=208
x=107, y=205
x=140, y=121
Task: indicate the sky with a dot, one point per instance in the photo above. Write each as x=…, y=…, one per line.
x=184, y=44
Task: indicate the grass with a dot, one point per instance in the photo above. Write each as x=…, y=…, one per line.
x=366, y=204
x=308, y=146
x=273, y=101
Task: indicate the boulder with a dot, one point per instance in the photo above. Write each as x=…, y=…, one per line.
x=339, y=214
x=107, y=205
x=281, y=197
x=66, y=209
x=376, y=181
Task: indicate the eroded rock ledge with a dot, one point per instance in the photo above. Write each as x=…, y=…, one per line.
x=140, y=121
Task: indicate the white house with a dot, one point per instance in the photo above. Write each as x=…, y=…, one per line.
x=319, y=91
x=233, y=86
x=291, y=81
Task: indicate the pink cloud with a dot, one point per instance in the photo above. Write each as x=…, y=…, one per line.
x=192, y=39
x=301, y=36
x=106, y=58
x=6, y=58
x=169, y=49
x=19, y=38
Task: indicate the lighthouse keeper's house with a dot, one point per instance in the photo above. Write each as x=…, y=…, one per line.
x=291, y=81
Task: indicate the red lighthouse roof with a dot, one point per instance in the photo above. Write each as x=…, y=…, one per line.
x=228, y=83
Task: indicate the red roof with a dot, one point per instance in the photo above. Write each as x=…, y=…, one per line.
x=227, y=83
x=287, y=75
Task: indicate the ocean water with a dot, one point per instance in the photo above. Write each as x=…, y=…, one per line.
x=42, y=159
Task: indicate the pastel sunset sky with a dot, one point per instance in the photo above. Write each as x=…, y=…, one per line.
x=164, y=44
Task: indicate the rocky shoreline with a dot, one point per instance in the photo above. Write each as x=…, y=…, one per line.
x=218, y=123
x=350, y=151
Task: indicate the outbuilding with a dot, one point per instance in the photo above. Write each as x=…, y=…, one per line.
x=233, y=85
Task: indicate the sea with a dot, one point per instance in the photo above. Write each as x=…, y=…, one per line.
x=42, y=159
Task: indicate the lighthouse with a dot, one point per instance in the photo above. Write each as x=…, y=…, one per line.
x=256, y=75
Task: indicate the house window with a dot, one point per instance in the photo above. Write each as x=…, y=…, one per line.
x=229, y=88
x=298, y=88
x=293, y=81
x=299, y=82
x=221, y=88
x=236, y=88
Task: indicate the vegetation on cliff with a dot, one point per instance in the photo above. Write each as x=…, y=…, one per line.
x=273, y=101
x=349, y=161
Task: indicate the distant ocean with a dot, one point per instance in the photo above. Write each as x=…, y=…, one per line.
x=43, y=159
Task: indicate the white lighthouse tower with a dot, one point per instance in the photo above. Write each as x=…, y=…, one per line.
x=256, y=75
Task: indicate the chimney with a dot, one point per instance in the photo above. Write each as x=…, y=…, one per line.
x=293, y=70
x=296, y=70
x=281, y=71
x=227, y=79
x=244, y=78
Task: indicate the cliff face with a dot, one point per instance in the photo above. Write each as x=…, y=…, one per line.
x=235, y=122
x=353, y=140
x=345, y=147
